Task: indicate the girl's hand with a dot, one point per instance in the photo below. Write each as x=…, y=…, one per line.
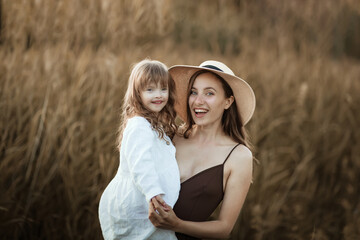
x=161, y=215
x=162, y=202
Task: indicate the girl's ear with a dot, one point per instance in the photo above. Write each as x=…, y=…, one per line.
x=228, y=102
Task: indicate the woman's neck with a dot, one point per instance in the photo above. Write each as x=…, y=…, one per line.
x=209, y=135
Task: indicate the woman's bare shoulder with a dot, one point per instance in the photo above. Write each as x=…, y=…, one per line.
x=241, y=157
x=243, y=152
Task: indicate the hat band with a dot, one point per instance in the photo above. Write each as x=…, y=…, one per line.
x=213, y=67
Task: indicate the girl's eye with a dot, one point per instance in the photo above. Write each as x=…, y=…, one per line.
x=149, y=89
x=164, y=89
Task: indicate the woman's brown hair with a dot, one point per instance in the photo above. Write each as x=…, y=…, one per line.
x=230, y=120
x=143, y=74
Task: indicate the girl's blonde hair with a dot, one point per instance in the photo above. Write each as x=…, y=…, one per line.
x=143, y=74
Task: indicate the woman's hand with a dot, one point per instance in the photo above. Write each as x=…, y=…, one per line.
x=161, y=215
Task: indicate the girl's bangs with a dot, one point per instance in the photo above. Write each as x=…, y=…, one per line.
x=154, y=76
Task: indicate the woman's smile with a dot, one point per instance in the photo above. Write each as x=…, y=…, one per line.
x=207, y=99
x=200, y=112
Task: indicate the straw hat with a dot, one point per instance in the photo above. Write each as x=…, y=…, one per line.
x=243, y=93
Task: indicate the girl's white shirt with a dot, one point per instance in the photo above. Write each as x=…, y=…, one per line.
x=147, y=168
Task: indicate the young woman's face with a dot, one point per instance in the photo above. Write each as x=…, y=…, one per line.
x=207, y=100
x=154, y=97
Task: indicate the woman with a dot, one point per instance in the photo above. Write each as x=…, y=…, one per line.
x=214, y=160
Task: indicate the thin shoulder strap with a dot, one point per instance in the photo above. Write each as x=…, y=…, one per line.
x=230, y=153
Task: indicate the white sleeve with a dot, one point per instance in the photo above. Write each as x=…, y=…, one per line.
x=137, y=149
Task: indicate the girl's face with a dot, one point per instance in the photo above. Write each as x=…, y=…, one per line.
x=154, y=97
x=207, y=101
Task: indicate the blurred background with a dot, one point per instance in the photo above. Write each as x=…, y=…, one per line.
x=63, y=70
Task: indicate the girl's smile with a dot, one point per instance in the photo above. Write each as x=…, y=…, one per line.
x=154, y=97
x=157, y=102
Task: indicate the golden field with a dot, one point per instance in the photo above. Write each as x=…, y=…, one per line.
x=63, y=70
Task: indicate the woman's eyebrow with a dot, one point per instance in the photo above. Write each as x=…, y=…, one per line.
x=207, y=88
x=210, y=88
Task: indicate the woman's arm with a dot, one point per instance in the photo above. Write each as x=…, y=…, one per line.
x=168, y=220
x=236, y=189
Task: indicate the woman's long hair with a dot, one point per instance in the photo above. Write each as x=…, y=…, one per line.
x=143, y=74
x=230, y=120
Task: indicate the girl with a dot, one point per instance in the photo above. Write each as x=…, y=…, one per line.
x=147, y=156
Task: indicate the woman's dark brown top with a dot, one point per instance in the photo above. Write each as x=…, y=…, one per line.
x=200, y=195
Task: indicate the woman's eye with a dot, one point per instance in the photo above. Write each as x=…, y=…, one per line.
x=193, y=93
x=209, y=93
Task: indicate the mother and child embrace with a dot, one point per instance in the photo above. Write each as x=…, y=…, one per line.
x=171, y=178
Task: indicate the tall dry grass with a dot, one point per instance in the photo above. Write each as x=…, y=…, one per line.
x=63, y=71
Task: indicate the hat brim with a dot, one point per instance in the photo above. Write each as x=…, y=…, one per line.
x=243, y=93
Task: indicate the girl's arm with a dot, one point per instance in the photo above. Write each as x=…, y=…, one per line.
x=237, y=186
x=137, y=146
